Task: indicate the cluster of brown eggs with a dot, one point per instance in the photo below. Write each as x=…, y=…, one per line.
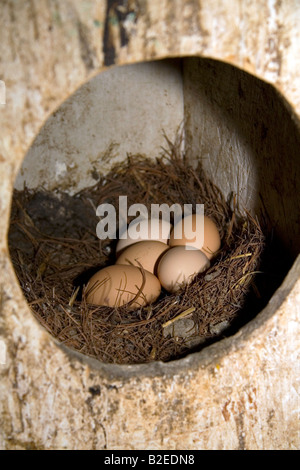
x=145, y=264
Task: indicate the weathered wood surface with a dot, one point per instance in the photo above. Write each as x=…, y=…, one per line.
x=240, y=393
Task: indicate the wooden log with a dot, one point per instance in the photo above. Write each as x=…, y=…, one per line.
x=240, y=393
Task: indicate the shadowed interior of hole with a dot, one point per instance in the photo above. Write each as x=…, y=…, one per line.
x=248, y=140
x=240, y=127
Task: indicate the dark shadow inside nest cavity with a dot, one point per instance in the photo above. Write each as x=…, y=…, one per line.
x=54, y=249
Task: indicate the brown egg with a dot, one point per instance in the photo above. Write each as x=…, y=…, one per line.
x=212, y=241
x=161, y=232
x=118, y=285
x=179, y=265
x=145, y=254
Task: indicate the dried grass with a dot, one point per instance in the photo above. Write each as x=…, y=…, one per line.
x=54, y=249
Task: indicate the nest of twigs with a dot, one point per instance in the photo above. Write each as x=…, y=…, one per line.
x=55, y=250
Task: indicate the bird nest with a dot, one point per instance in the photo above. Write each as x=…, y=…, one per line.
x=55, y=250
